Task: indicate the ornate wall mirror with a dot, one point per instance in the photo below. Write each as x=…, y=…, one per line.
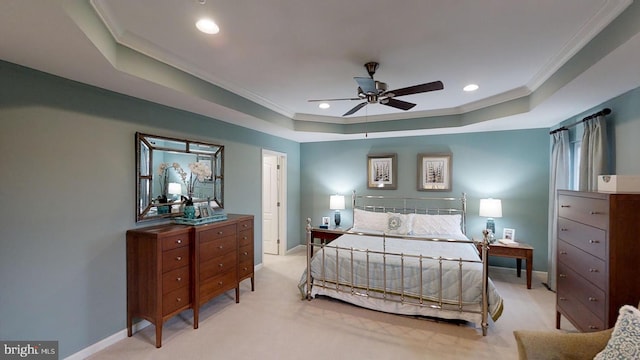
x=171, y=170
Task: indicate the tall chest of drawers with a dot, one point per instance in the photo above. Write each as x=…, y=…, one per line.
x=159, y=268
x=598, y=256
x=172, y=268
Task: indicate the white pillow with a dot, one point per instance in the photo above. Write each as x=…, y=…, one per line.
x=625, y=338
x=426, y=224
x=369, y=220
x=399, y=224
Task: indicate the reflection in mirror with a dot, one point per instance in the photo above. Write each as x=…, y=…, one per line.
x=174, y=171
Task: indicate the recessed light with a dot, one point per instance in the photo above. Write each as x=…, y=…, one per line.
x=324, y=105
x=207, y=26
x=470, y=87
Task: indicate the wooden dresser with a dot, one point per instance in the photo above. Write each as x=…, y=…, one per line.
x=172, y=268
x=598, y=257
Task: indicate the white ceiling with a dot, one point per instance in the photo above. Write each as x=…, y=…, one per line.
x=279, y=53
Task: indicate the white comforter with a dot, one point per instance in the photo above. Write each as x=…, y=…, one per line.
x=385, y=273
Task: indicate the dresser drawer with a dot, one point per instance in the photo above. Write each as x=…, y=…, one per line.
x=586, y=293
x=175, y=300
x=175, y=279
x=216, y=233
x=175, y=241
x=218, y=266
x=217, y=285
x=219, y=247
x=175, y=258
x=583, y=319
x=590, y=239
x=245, y=237
x=245, y=255
x=590, y=211
x=245, y=225
x=586, y=265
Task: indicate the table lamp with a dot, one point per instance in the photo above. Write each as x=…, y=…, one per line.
x=336, y=202
x=491, y=208
x=175, y=189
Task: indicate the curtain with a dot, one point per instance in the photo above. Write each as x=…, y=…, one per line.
x=593, y=157
x=559, y=179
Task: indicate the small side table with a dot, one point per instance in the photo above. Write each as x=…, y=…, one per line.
x=325, y=235
x=518, y=251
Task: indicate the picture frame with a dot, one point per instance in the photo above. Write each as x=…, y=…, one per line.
x=205, y=211
x=326, y=221
x=208, y=160
x=382, y=171
x=434, y=172
x=509, y=234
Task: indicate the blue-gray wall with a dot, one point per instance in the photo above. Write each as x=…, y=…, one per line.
x=68, y=188
x=509, y=165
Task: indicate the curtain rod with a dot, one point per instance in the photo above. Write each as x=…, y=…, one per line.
x=605, y=111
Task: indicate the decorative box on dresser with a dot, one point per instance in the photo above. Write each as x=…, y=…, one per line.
x=598, y=256
x=172, y=268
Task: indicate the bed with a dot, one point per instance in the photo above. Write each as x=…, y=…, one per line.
x=404, y=256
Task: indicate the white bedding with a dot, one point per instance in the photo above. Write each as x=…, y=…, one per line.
x=405, y=283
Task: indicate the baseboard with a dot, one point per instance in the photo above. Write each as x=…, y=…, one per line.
x=106, y=342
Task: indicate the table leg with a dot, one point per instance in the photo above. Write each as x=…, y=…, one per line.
x=529, y=268
x=518, y=266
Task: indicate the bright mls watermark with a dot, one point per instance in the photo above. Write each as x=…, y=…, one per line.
x=42, y=350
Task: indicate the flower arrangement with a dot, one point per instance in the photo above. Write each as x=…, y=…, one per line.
x=199, y=172
x=163, y=171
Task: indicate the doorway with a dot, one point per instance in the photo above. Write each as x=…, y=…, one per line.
x=274, y=202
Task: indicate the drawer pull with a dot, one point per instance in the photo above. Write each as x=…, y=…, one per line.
x=563, y=253
x=178, y=258
x=220, y=265
x=593, y=327
x=565, y=206
x=245, y=253
x=594, y=241
x=592, y=299
x=562, y=298
x=244, y=238
x=178, y=299
x=178, y=279
x=244, y=268
x=245, y=225
x=219, y=232
x=593, y=270
x=562, y=276
x=220, y=247
x=179, y=241
x=220, y=283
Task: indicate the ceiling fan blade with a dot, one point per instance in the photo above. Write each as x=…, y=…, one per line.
x=368, y=85
x=319, y=100
x=356, y=108
x=416, y=89
x=398, y=104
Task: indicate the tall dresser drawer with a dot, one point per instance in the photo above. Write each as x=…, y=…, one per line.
x=591, y=211
x=175, y=258
x=586, y=265
x=172, y=242
x=580, y=316
x=590, y=239
x=592, y=297
x=245, y=225
x=175, y=279
x=212, y=249
x=217, y=285
x=217, y=233
x=245, y=260
x=175, y=299
x=245, y=237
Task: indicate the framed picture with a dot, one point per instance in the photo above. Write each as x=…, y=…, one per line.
x=509, y=234
x=326, y=220
x=382, y=171
x=207, y=160
x=205, y=211
x=434, y=172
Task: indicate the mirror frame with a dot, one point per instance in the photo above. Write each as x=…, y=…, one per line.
x=146, y=208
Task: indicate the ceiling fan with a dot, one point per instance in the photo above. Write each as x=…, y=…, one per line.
x=374, y=91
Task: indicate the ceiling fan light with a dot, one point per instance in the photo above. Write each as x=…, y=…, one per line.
x=470, y=87
x=324, y=105
x=207, y=26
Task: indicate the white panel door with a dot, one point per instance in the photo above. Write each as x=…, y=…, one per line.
x=270, y=204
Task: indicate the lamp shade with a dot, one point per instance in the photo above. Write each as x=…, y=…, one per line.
x=336, y=202
x=175, y=188
x=490, y=208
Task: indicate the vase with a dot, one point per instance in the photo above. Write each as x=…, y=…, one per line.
x=190, y=212
x=164, y=209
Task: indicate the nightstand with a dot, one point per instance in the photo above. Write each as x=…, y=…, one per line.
x=517, y=251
